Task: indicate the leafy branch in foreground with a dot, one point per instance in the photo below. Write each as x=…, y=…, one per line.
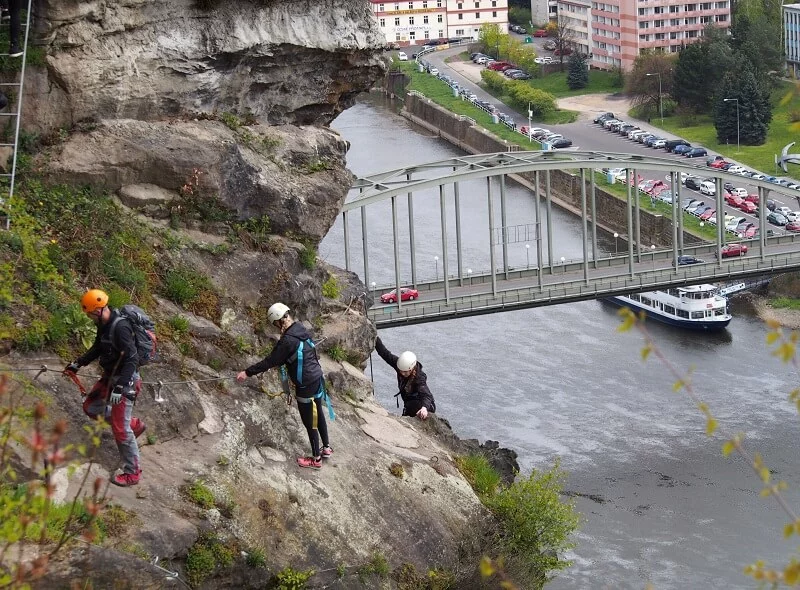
x=786, y=350
x=28, y=512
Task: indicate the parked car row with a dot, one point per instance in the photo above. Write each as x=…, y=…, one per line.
x=508, y=69
x=634, y=133
x=542, y=135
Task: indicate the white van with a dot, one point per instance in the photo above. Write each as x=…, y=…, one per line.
x=708, y=188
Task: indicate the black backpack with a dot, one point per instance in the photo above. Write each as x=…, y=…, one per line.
x=144, y=332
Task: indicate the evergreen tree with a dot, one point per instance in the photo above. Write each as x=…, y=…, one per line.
x=755, y=110
x=577, y=72
x=688, y=88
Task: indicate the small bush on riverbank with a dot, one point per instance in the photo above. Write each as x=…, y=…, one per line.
x=533, y=523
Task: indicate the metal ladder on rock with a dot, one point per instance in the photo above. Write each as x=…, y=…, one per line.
x=8, y=179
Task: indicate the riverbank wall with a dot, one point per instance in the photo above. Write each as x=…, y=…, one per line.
x=464, y=133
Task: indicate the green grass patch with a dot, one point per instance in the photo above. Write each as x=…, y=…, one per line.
x=785, y=303
x=699, y=130
x=600, y=82
x=479, y=473
x=199, y=494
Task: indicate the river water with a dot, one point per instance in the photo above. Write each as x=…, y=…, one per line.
x=659, y=502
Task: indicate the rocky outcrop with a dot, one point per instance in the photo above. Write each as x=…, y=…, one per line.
x=285, y=62
x=295, y=176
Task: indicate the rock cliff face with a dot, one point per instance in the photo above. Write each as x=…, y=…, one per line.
x=169, y=101
x=287, y=62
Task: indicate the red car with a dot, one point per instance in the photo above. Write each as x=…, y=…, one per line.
x=501, y=66
x=749, y=232
x=406, y=294
x=752, y=198
x=717, y=163
x=734, y=250
x=540, y=33
x=792, y=226
x=735, y=201
x=748, y=207
x=708, y=214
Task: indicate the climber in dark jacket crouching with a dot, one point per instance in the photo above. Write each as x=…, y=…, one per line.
x=412, y=381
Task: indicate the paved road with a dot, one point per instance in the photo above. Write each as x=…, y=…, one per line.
x=586, y=135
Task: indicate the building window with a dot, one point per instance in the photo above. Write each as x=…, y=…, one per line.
x=411, y=6
x=477, y=16
x=658, y=10
x=396, y=6
x=427, y=35
x=438, y=3
x=397, y=37
x=382, y=22
x=411, y=20
x=494, y=14
x=441, y=34
x=412, y=35
x=381, y=8
x=397, y=21
x=424, y=3
x=438, y=18
x=460, y=6
x=494, y=3
x=674, y=9
x=690, y=7
x=460, y=16
x=459, y=32
x=477, y=5
x=425, y=20
x=642, y=11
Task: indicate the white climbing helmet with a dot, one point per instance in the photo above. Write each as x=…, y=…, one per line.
x=406, y=361
x=276, y=312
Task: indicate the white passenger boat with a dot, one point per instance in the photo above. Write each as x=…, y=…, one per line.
x=697, y=307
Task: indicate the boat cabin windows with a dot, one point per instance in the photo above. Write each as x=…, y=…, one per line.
x=682, y=313
x=646, y=301
x=669, y=309
x=698, y=315
x=720, y=311
x=696, y=294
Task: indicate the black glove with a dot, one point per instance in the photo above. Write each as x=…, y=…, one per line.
x=72, y=367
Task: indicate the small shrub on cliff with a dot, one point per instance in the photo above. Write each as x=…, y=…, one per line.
x=330, y=288
x=289, y=579
x=231, y=121
x=198, y=493
x=480, y=474
x=308, y=256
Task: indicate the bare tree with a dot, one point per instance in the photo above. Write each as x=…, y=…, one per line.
x=563, y=34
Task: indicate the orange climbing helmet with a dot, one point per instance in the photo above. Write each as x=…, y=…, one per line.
x=93, y=300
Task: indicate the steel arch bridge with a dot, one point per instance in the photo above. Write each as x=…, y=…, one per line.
x=461, y=292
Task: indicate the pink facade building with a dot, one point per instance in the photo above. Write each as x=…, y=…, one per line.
x=623, y=29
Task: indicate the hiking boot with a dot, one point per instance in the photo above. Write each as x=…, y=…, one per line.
x=313, y=463
x=138, y=427
x=327, y=451
x=125, y=479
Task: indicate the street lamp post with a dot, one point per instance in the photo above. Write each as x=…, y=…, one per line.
x=660, y=99
x=528, y=255
x=616, y=244
x=530, y=122
x=372, y=284
x=736, y=100
x=653, y=250
x=436, y=260
x=469, y=274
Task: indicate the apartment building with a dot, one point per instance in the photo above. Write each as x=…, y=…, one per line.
x=574, y=17
x=622, y=29
x=416, y=21
x=791, y=38
x=543, y=11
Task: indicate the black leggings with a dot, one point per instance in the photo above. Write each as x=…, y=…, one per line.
x=313, y=418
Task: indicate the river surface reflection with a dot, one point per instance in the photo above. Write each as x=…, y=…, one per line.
x=659, y=502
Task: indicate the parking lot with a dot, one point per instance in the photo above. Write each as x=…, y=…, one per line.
x=587, y=135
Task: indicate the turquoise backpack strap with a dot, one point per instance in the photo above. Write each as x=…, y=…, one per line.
x=327, y=398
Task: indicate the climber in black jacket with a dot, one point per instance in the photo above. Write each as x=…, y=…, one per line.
x=412, y=382
x=296, y=350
